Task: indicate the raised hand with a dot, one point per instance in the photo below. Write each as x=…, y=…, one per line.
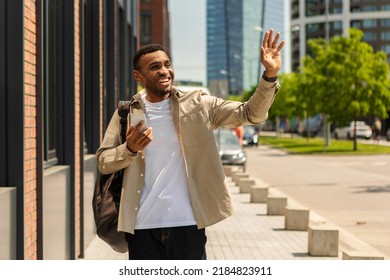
x=271, y=56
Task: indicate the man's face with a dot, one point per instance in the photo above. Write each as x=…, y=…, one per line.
x=156, y=74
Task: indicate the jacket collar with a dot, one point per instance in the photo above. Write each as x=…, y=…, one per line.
x=137, y=98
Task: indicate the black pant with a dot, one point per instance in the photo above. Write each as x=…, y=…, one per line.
x=174, y=243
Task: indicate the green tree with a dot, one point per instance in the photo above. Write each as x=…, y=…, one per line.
x=350, y=80
x=285, y=104
x=306, y=97
x=294, y=98
x=247, y=94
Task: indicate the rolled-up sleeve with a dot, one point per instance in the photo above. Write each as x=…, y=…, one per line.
x=224, y=113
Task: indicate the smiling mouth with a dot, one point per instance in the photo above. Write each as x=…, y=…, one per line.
x=164, y=81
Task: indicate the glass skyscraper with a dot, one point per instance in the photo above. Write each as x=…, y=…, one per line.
x=233, y=45
x=234, y=33
x=277, y=16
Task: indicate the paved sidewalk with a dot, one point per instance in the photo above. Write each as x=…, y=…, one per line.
x=249, y=234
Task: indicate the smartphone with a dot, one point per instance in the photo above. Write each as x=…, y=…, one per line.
x=136, y=118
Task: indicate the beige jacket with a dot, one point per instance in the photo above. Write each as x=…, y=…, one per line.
x=195, y=115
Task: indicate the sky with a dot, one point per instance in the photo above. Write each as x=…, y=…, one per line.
x=188, y=39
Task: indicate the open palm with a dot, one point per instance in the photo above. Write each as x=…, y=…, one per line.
x=271, y=56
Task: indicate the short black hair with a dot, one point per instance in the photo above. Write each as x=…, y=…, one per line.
x=145, y=50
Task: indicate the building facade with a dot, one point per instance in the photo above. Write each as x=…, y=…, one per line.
x=277, y=16
x=154, y=23
x=328, y=18
x=64, y=65
x=235, y=30
x=233, y=44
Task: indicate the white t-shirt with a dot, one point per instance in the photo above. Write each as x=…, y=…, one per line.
x=165, y=201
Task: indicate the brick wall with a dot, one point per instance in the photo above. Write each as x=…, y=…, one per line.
x=30, y=83
x=30, y=130
x=160, y=22
x=32, y=164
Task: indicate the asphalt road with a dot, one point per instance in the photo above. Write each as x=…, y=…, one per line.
x=352, y=192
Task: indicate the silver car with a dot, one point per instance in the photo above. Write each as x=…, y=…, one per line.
x=363, y=130
x=229, y=147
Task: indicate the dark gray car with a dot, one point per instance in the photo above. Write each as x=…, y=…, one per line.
x=230, y=150
x=251, y=137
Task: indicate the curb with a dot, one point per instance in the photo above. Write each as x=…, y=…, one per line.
x=347, y=241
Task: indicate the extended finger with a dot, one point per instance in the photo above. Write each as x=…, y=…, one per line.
x=280, y=46
x=265, y=41
x=275, y=42
x=271, y=34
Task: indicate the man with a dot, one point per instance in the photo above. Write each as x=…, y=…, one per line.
x=376, y=130
x=240, y=134
x=174, y=184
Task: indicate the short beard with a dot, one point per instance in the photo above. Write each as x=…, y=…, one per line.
x=165, y=91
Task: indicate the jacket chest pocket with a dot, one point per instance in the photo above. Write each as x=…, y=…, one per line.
x=195, y=129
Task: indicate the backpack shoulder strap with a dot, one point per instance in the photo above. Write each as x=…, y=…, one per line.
x=123, y=111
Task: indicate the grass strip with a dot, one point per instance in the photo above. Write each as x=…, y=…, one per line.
x=299, y=145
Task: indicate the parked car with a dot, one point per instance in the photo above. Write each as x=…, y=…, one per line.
x=363, y=130
x=229, y=147
x=310, y=127
x=388, y=135
x=251, y=137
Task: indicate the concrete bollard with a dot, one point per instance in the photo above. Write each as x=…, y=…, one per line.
x=258, y=194
x=296, y=218
x=245, y=184
x=276, y=205
x=362, y=255
x=230, y=170
x=238, y=175
x=323, y=241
